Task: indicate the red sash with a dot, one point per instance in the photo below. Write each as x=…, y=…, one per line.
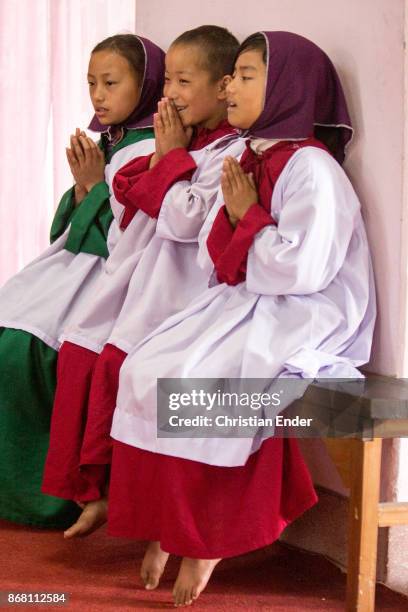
x=138, y=187
x=228, y=247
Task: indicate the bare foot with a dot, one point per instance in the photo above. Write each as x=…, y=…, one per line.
x=192, y=579
x=153, y=565
x=93, y=516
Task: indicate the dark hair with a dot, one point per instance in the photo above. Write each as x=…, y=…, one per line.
x=218, y=45
x=330, y=136
x=255, y=42
x=130, y=47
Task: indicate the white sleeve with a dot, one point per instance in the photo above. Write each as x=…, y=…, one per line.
x=204, y=260
x=318, y=211
x=125, y=155
x=187, y=203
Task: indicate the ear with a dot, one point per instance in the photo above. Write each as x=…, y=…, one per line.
x=222, y=86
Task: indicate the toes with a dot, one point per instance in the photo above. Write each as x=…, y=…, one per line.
x=192, y=579
x=144, y=575
x=69, y=533
x=149, y=580
x=181, y=597
x=153, y=565
x=88, y=522
x=194, y=593
x=77, y=529
x=188, y=598
x=176, y=596
x=152, y=581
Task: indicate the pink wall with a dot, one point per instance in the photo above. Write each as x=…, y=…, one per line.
x=365, y=41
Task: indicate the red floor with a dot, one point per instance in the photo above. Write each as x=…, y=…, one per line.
x=101, y=573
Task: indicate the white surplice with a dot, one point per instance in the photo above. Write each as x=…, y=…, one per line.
x=140, y=289
x=307, y=308
x=56, y=288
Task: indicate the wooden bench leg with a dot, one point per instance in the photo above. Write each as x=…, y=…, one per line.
x=363, y=525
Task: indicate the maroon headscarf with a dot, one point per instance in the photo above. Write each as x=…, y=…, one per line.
x=303, y=93
x=152, y=88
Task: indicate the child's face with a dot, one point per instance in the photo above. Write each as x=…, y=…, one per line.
x=198, y=100
x=245, y=92
x=113, y=87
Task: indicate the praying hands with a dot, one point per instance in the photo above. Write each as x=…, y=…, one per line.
x=169, y=131
x=238, y=188
x=87, y=163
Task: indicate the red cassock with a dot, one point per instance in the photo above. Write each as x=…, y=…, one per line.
x=206, y=511
x=80, y=447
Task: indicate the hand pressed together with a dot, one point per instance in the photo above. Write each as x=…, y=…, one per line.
x=238, y=188
x=87, y=163
x=169, y=131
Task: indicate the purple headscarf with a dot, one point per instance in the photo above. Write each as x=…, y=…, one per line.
x=152, y=88
x=302, y=91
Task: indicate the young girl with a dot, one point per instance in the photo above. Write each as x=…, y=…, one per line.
x=125, y=81
x=292, y=295
x=177, y=186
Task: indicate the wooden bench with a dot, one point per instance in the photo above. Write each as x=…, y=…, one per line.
x=382, y=405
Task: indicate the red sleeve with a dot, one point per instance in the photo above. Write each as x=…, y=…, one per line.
x=128, y=175
x=230, y=265
x=137, y=187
